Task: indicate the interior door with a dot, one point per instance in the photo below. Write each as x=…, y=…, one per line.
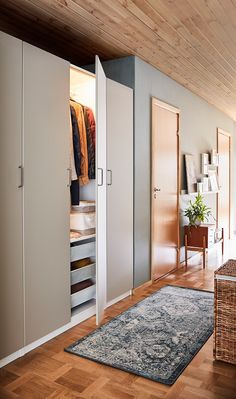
x=11, y=196
x=46, y=192
x=223, y=140
x=119, y=189
x=165, y=187
x=101, y=192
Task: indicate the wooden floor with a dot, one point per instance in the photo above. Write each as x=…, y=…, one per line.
x=49, y=372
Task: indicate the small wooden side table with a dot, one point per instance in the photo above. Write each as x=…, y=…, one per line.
x=200, y=239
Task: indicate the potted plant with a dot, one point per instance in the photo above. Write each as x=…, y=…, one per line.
x=197, y=212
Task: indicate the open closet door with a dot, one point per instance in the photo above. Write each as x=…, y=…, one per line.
x=101, y=257
x=119, y=190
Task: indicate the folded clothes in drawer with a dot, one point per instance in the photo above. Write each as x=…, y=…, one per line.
x=81, y=286
x=80, y=263
x=85, y=206
x=81, y=220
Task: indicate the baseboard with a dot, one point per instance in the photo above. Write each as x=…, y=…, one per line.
x=140, y=287
x=119, y=298
x=76, y=319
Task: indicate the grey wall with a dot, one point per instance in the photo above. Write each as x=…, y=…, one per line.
x=121, y=70
x=198, y=123
x=233, y=180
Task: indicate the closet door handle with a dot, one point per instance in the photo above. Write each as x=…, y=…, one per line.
x=21, y=176
x=100, y=178
x=69, y=177
x=110, y=174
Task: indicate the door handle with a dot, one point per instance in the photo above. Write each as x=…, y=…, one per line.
x=21, y=176
x=156, y=189
x=110, y=180
x=100, y=178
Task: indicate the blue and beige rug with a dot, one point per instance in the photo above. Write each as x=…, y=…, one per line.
x=156, y=338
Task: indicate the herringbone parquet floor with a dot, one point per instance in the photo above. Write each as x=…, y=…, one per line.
x=49, y=372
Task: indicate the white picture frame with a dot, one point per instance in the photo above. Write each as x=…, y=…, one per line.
x=214, y=182
x=204, y=163
x=191, y=173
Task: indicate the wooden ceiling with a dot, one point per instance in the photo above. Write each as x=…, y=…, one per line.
x=192, y=41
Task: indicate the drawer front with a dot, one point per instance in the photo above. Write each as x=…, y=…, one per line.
x=83, y=251
x=83, y=296
x=84, y=273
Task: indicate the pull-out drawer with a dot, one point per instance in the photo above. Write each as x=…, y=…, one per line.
x=84, y=273
x=83, y=296
x=82, y=251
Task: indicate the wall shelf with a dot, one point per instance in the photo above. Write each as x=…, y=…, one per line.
x=203, y=193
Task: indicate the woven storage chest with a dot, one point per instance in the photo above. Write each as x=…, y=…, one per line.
x=225, y=312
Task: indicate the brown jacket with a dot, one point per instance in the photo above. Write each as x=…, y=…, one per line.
x=83, y=179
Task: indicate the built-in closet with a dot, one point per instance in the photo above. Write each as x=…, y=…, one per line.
x=39, y=246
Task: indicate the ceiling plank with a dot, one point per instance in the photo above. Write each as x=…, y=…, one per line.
x=192, y=41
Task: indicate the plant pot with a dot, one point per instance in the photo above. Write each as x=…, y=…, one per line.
x=195, y=235
x=198, y=222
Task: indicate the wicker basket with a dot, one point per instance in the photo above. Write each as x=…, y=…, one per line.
x=225, y=312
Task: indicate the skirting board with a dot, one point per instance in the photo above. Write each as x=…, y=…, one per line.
x=76, y=319
x=119, y=298
x=141, y=287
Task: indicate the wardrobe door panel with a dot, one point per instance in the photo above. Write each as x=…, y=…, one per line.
x=11, y=267
x=119, y=189
x=46, y=192
x=101, y=255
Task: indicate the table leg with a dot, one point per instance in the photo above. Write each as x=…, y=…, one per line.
x=204, y=252
x=222, y=241
x=186, y=251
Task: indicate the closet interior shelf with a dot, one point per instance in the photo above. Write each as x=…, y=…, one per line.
x=82, y=238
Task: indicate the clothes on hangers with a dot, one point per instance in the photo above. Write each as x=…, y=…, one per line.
x=76, y=142
x=92, y=124
x=90, y=144
x=83, y=177
x=72, y=158
x=75, y=192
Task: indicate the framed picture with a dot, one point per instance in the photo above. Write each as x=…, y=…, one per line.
x=204, y=163
x=191, y=173
x=214, y=158
x=214, y=182
x=205, y=182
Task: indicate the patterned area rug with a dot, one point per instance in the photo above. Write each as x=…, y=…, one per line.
x=156, y=338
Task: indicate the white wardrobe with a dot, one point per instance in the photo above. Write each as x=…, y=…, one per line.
x=35, y=195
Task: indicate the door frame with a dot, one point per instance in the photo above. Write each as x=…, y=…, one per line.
x=227, y=134
x=155, y=101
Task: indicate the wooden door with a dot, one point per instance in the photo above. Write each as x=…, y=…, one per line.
x=119, y=190
x=46, y=192
x=11, y=206
x=165, y=187
x=223, y=202
x=101, y=192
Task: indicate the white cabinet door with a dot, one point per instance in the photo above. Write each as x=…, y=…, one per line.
x=11, y=263
x=119, y=189
x=46, y=192
x=101, y=255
